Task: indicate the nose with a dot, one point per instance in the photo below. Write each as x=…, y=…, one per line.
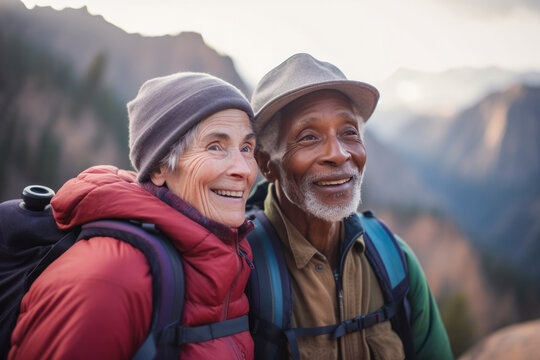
x=239, y=165
x=334, y=152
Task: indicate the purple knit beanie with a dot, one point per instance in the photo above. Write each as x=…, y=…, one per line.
x=167, y=107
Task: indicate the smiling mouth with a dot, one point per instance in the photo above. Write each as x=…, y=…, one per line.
x=229, y=193
x=333, y=182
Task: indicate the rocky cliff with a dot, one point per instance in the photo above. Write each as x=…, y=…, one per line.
x=516, y=342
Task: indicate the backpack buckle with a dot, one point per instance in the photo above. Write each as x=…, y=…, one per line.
x=362, y=322
x=372, y=319
x=169, y=335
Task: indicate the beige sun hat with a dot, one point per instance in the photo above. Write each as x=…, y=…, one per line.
x=302, y=74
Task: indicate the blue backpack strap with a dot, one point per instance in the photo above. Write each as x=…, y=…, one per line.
x=269, y=290
x=390, y=265
x=385, y=256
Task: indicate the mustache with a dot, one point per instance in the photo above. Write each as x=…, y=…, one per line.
x=333, y=175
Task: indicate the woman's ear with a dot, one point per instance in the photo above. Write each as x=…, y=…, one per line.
x=158, y=176
x=266, y=166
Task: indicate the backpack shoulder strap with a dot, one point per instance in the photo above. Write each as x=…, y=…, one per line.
x=165, y=265
x=166, y=333
x=390, y=265
x=269, y=290
x=386, y=256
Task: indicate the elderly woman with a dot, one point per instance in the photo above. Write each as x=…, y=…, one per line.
x=192, y=144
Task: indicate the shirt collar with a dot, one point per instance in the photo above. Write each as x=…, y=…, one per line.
x=302, y=250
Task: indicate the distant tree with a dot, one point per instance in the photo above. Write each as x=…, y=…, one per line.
x=95, y=73
x=92, y=83
x=46, y=159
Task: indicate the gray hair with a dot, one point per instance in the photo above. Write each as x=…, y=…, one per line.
x=178, y=148
x=268, y=137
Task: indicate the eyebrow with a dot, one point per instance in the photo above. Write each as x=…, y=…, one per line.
x=217, y=135
x=349, y=115
x=225, y=136
x=250, y=136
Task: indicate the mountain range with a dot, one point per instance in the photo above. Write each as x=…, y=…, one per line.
x=409, y=94
x=485, y=167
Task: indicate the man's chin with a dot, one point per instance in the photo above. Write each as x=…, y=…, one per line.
x=334, y=211
x=329, y=213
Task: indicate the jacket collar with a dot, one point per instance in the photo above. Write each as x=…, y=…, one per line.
x=224, y=232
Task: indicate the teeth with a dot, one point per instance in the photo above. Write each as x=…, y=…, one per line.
x=235, y=194
x=333, y=182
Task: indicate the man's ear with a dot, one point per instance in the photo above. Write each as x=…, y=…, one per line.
x=158, y=176
x=266, y=166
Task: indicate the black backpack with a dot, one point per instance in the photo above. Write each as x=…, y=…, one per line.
x=30, y=241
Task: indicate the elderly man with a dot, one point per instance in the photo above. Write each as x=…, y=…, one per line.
x=335, y=299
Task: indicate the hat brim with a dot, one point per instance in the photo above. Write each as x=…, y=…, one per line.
x=363, y=96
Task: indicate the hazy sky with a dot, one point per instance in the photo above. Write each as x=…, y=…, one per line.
x=368, y=40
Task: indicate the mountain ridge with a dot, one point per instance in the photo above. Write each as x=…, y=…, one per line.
x=131, y=58
x=408, y=94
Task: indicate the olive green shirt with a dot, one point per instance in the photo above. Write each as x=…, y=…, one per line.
x=317, y=302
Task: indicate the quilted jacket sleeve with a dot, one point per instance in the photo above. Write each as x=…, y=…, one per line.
x=93, y=302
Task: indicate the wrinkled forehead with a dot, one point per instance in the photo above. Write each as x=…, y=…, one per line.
x=302, y=108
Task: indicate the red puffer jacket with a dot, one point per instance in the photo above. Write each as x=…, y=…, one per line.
x=95, y=301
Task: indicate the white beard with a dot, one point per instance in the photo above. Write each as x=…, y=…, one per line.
x=305, y=198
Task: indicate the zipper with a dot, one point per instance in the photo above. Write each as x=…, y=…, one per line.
x=338, y=276
x=235, y=349
x=339, y=287
x=243, y=254
x=342, y=350
x=238, y=269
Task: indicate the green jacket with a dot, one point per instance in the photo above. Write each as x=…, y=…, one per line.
x=429, y=335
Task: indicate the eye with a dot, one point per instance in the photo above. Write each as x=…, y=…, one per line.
x=214, y=147
x=351, y=133
x=307, y=138
x=246, y=148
